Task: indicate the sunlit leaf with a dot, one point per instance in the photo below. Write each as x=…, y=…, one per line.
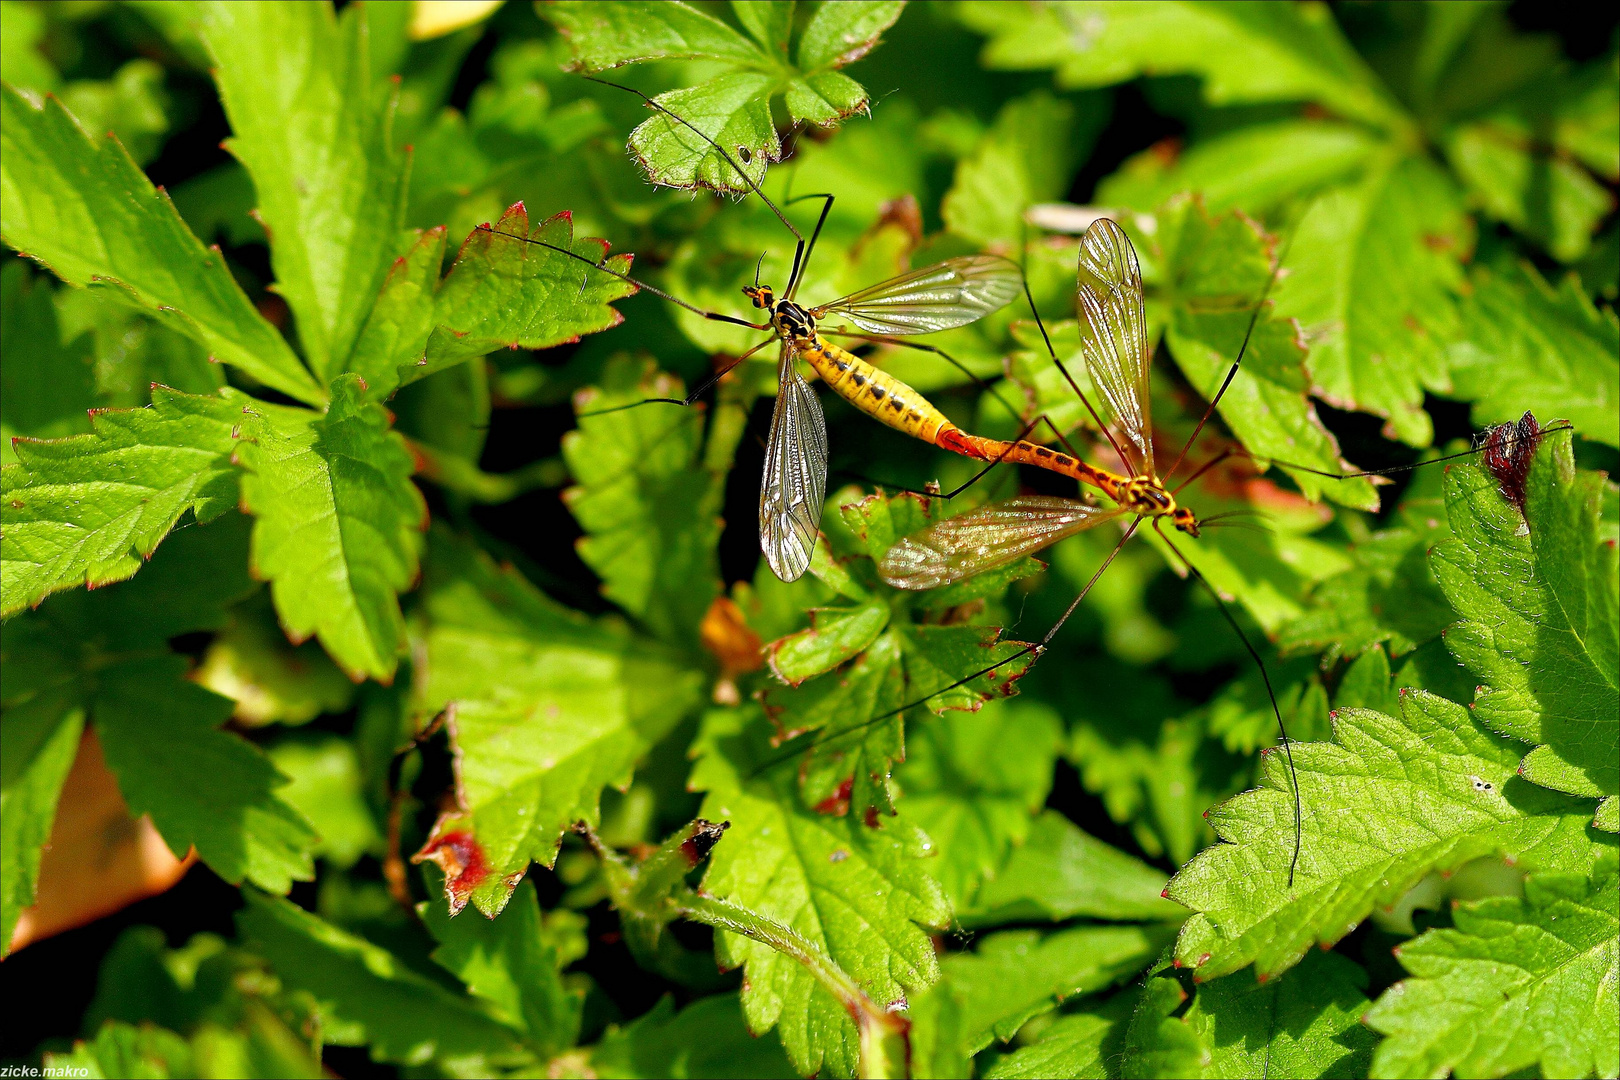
x=733, y=107
x=1243, y=54
x=851, y=881
x=1530, y=346
x=1385, y=804
x=338, y=525
x=84, y=210
x=548, y=708
x=86, y=510
x=1538, y=599
x=1373, y=272
x=1502, y=990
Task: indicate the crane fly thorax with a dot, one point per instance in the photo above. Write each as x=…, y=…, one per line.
x=1146, y=495
x=793, y=322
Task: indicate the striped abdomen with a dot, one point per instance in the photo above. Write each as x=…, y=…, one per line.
x=876, y=393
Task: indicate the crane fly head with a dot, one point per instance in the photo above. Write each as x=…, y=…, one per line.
x=1183, y=519
x=763, y=296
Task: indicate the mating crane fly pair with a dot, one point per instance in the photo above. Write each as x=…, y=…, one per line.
x=939, y=297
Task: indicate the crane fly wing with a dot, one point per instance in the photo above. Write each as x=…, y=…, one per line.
x=983, y=539
x=1116, y=344
x=938, y=297
x=795, y=482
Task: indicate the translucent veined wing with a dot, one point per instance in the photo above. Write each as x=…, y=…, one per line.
x=795, y=482
x=950, y=293
x=1115, y=335
x=959, y=547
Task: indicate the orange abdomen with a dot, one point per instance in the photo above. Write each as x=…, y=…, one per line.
x=1027, y=453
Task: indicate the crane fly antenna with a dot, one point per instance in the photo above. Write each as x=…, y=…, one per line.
x=757, y=265
x=1271, y=694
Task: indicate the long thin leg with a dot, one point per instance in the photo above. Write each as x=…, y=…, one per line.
x=1096, y=418
x=811, y=740
x=1265, y=676
x=702, y=387
x=1231, y=373
x=801, y=265
x=714, y=316
x=1381, y=473
x=651, y=104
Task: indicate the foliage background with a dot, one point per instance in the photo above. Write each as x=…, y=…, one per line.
x=1443, y=181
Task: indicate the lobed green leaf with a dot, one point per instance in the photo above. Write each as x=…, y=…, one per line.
x=1385, y=804
x=1517, y=983
x=547, y=709
x=1538, y=598
x=86, y=510
x=89, y=214
x=338, y=523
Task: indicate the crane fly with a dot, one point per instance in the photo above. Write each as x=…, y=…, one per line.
x=943, y=296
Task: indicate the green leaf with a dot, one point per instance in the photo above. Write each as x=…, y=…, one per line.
x=326, y=787
x=126, y=1050
x=1215, y=271
x=708, y=1038
x=1156, y=1042
x=549, y=708
x=1526, y=345
x=132, y=351
x=39, y=737
x=203, y=787
x=508, y=962
x=835, y=636
x=88, y=213
x=1026, y=157
x=337, y=525
x=1390, y=595
x=974, y=782
x=1390, y=801
x=103, y=654
x=1062, y=872
x=1538, y=598
x=504, y=293
x=89, y=508
x=297, y=86
x=366, y=996
x=851, y=883
x=1244, y=53
x=1015, y=975
x=1516, y=984
x=649, y=507
x=131, y=106
x=1523, y=161
x=1253, y=169
x=1372, y=273
x=46, y=383
x=22, y=64
x=1306, y=1024
x=608, y=35
x=733, y=107
x=1079, y=1044
x=270, y=679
